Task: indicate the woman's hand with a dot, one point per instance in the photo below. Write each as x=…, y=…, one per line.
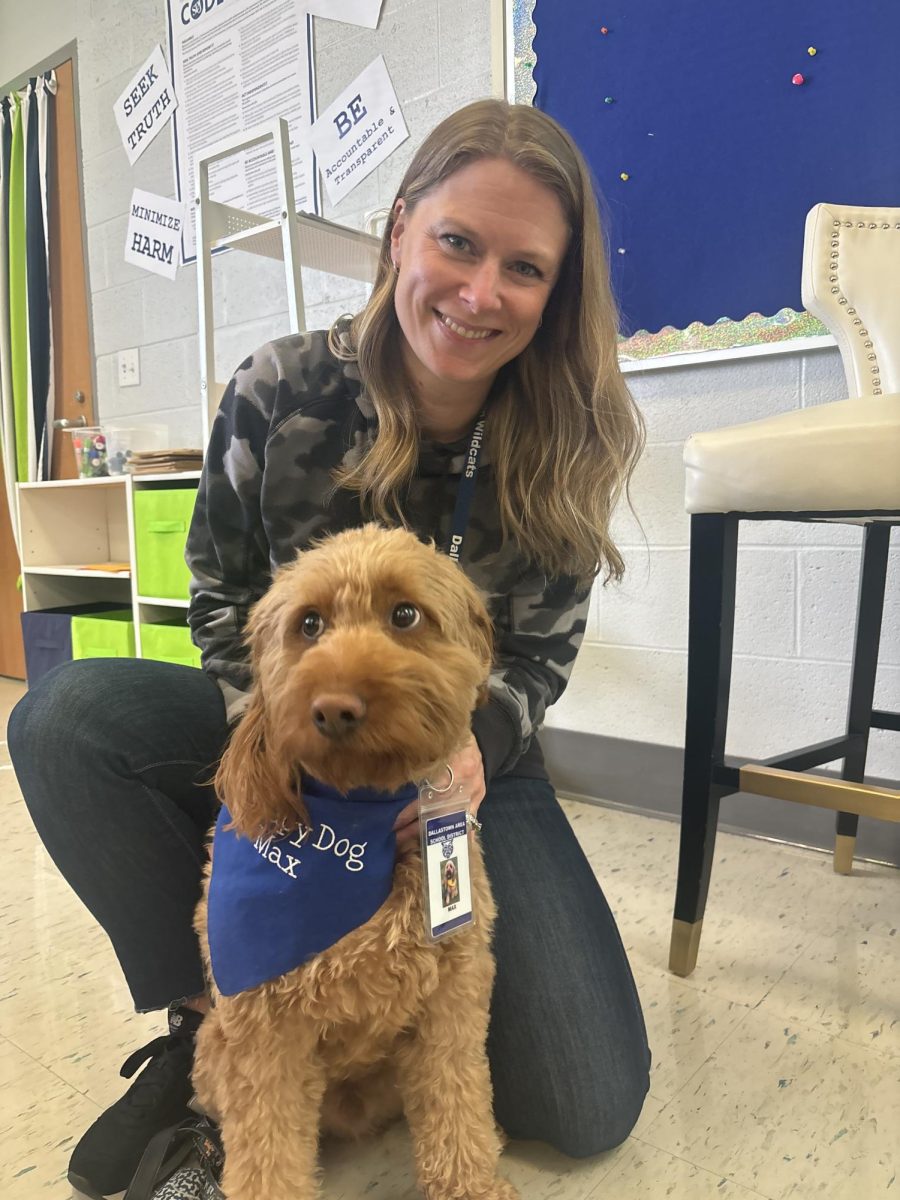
x=468, y=771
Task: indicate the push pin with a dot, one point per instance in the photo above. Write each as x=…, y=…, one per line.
x=609, y=100
x=624, y=176
x=798, y=80
x=812, y=52
x=604, y=30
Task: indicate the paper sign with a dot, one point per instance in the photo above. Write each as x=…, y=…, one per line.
x=355, y=12
x=145, y=106
x=361, y=129
x=236, y=65
x=155, y=224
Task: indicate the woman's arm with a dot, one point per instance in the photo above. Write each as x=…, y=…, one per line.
x=227, y=549
x=535, y=649
x=538, y=637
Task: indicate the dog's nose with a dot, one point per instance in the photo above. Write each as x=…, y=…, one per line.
x=335, y=714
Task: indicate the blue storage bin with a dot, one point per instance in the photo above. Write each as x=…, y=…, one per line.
x=47, y=634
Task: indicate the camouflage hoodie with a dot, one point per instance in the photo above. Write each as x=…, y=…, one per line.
x=291, y=413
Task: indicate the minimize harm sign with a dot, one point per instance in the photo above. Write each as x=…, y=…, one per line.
x=154, y=233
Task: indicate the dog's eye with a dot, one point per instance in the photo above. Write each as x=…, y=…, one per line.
x=312, y=625
x=405, y=616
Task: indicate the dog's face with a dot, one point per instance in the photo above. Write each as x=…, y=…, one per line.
x=369, y=654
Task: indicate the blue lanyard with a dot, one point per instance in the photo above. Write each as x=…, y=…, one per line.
x=466, y=491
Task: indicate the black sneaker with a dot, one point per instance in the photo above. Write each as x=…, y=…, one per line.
x=107, y=1156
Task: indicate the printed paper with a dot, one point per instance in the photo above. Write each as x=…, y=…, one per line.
x=359, y=131
x=155, y=226
x=354, y=12
x=145, y=106
x=237, y=64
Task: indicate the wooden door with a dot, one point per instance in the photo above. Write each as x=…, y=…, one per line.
x=73, y=375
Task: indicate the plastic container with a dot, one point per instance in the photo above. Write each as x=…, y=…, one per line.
x=89, y=445
x=169, y=641
x=123, y=440
x=162, y=517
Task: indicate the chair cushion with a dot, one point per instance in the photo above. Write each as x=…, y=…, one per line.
x=829, y=458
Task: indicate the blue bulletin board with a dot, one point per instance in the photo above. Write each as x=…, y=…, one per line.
x=730, y=122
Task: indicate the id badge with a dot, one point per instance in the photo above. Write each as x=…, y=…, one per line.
x=445, y=861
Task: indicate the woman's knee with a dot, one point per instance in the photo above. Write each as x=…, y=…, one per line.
x=581, y=1098
x=106, y=705
x=589, y=1131
x=583, y=1126
x=53, y=707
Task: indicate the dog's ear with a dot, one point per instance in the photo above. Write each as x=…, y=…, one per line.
x=253, y=780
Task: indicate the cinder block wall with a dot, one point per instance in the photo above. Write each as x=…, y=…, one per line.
x=433, y=75
x=797, y=585
x=796, y=599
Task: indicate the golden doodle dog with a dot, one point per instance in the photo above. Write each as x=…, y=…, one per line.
x=369, y=654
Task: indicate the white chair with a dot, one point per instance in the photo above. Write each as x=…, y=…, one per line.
x=831, y=462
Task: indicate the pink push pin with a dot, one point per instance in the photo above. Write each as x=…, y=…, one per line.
x=798, y=79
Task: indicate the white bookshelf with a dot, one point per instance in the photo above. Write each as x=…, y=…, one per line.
x=67, y=524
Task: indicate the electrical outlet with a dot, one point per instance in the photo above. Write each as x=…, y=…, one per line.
x=129, y=367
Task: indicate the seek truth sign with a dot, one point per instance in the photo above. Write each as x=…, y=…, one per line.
x=145, y=106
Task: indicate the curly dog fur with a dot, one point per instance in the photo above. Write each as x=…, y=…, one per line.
x=383, y=1022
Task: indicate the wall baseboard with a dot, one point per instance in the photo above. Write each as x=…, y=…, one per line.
x=646, y=778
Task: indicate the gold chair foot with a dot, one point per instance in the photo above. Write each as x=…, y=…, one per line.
x=844, y=847
x=684, y=946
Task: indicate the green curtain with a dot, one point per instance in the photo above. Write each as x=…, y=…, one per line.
x=18, y=291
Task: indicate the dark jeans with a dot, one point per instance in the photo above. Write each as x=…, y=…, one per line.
x=113, y=756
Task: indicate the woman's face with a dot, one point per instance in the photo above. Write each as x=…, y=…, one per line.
x=478, y=257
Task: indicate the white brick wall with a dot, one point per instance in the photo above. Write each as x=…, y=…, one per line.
x=432, y=77
x=796, y=588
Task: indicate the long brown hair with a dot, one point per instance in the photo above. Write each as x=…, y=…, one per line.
x=563, y=432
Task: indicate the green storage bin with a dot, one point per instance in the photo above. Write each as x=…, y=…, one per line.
x=103, y=635
x=169, y=641
x=162, y=517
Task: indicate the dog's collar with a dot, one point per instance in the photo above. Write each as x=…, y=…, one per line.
x=280, y=899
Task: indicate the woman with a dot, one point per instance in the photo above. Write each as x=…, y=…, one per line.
x=491, y=298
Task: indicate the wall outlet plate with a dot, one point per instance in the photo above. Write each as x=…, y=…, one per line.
x=129, y=364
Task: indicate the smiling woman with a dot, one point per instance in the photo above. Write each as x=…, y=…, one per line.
x=491, y=294
x=493, y=290
x=474, y=275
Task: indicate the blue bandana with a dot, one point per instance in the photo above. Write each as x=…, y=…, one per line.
x=279, y=900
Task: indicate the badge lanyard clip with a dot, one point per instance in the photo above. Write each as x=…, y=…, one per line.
x=444, y=823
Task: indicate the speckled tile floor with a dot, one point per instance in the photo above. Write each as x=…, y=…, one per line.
x=776, y=1065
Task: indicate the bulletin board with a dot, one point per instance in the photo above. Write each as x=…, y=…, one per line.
x=712, y=129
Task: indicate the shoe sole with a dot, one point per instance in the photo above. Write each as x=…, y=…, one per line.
x=83, y=1187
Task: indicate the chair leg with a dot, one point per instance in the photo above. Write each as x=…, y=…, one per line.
x=714, y=539
x=869, y=610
